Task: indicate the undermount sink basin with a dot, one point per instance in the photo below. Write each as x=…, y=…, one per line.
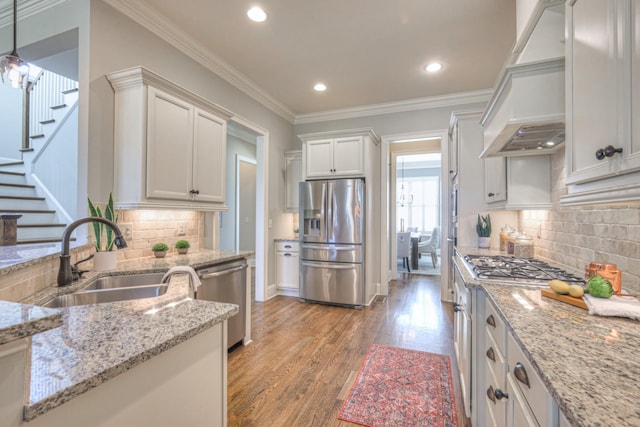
x=126, y=280
x=107, y=295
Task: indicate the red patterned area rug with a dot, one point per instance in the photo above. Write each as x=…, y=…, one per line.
x=396, y=387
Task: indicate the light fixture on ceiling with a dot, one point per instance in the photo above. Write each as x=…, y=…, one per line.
x=320, y=87
x=14, y=70
x=433, y=67
x=403, y=200
x=256, y=14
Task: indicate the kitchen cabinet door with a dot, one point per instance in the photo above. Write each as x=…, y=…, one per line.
x=518, y=414
x=288, y=265
x=462, y=338
x=209, y=157
x=495, y=179
x=348, y=156
x=319, y=158
x=593, y=102
x=292, y=177
x=169, y=146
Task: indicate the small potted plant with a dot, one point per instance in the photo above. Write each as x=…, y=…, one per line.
x=182, y=246
x=483, y=228
x=160, y=249
x=105, y=257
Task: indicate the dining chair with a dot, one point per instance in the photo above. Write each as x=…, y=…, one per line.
x=403, y=248
x=431, y=246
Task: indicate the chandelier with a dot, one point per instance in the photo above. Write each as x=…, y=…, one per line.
x=14, y=71
x=402, y=199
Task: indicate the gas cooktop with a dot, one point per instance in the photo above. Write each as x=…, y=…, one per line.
x=516, y=270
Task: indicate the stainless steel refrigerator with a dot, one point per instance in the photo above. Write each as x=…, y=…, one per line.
x=332, y=250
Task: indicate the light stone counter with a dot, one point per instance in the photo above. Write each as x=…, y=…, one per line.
x=19, y=321
x=589, y=364
x=98, y=342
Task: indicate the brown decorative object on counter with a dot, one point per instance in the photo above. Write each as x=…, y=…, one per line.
x=9, y=225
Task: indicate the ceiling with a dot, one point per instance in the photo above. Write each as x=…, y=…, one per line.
x=367, y=52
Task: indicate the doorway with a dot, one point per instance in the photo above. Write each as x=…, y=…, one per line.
x=245, y=204
x=407, y=144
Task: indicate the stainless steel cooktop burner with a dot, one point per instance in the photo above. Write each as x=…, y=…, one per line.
x=516, y=270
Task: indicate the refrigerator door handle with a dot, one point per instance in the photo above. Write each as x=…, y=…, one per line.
x=328, y=218
x=330, y=247
x=332, y=266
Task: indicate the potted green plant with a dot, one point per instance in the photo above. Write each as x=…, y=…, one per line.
x=182, y=246
x=160, y=249
x=105, y=257
x=483, y=228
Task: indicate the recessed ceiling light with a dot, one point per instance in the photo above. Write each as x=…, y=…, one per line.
x=433, y=67
x=320, y=87
x=256, y=14
x=550, y=143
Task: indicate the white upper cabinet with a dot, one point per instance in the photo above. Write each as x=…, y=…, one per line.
x=334, y=158
x=169, y=145
x=517, y=183
x=292, y=177
x=603, y=100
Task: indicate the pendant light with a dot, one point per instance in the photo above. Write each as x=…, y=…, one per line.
x=403, y=199
x=14, y=71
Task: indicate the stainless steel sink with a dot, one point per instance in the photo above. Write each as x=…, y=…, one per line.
x=126, y=280
x=107, y=295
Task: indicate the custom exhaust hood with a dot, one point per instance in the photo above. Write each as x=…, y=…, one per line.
x=526, y=113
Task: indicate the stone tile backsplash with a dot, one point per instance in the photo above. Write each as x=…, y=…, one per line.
x=577, y=235
x=147, y=226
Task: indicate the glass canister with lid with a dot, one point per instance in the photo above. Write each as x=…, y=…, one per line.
x=523, y=247
x=504, y=237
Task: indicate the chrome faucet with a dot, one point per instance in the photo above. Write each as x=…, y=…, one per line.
x=65, y=274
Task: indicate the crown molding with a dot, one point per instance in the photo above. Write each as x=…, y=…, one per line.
x=148, y=18
x=26, y=8
x=396, y=107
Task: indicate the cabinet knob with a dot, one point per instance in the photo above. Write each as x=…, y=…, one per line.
x=457, y=307
x=491, y=194
x=607, y=151
x=501, y=394
x=193, y=192
x=521, y=374
x=491, y=321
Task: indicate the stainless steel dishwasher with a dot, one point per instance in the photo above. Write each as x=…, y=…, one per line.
x=226, y=282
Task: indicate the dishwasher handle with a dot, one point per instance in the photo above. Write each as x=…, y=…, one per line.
x=222, y=273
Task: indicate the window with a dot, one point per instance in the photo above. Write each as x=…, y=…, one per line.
x=420, y=178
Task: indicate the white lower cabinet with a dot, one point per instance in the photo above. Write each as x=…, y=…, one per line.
x=462, y=337
x=511, y=394
x=287, y=266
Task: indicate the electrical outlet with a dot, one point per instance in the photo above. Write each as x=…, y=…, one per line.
x=182, y=229
x=127, y=230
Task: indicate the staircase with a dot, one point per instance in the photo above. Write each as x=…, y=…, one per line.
x=39, y=223
x=24, y=193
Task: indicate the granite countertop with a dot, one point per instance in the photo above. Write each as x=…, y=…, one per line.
x=98, y=342
x=19, y=321
x=588, y=363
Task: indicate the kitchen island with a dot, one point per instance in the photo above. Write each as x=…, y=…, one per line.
x=155, y=361
x=587, y=363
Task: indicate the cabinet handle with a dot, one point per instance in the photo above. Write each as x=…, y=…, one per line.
x=607, y=151
x=491, y=321
x=501, y=394
x=521, y=374
x=457, y=307
x=194, y=192
x=491, y=194
x=287, y=254
x=287, y=246
x=491, y=354
x=491, y=394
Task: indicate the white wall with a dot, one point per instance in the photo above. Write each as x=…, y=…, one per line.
x=11, y=122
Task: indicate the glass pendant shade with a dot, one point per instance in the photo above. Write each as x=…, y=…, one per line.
x=14, y=71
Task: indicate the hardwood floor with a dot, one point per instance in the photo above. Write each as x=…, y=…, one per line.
x=304, y=357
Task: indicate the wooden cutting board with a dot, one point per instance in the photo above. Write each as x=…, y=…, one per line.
x=578, y=302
